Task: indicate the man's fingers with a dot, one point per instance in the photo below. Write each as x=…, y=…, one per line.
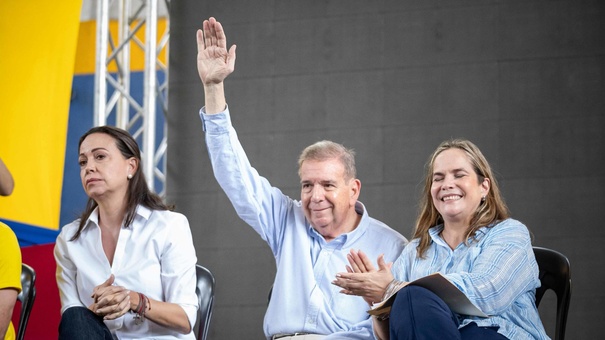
x=208, y=32
x=231, y=57
x=203, y=35
x=221, y=39
x=200, y=41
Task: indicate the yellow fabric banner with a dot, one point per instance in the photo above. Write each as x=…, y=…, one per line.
x=38, y=41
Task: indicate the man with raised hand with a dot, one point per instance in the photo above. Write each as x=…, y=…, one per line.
x=311, y=238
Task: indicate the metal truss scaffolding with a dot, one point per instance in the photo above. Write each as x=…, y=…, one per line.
x=113, y=89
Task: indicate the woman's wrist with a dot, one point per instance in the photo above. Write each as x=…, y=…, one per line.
x=134, y=301
x=141, y=308
x=383, y=317
x=390, y=289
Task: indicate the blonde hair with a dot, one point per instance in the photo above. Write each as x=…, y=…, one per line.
x=489, y=211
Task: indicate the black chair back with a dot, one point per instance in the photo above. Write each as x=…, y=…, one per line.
x=205, y=296
x=27, y=297
x=555, y=274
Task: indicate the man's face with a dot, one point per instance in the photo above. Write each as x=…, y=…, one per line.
x=328, y=199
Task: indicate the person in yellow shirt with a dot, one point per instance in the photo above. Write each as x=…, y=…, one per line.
x=10, y=279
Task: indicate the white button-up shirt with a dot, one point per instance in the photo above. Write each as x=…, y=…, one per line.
x=154, y=256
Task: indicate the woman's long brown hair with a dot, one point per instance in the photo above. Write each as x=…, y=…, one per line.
x=138, y=192
x=490, y=211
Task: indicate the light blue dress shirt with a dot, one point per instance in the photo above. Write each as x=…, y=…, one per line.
x=303, y=298
x=497, y=271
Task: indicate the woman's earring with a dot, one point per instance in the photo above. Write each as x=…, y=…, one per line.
x=130, y=177
x=483, y=199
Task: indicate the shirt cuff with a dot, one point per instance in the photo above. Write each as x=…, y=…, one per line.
x=213, y=123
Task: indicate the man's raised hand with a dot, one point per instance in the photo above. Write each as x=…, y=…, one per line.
x=214, y=61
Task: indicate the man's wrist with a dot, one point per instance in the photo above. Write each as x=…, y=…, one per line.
x=214, y=95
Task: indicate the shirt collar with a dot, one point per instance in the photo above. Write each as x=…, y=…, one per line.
x=434, y=234
x=141, y=211
x=346, y=237
x=361, y=228
x=436, y=230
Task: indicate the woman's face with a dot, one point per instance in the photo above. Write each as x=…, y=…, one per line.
x=455, y=189
x=103, y=169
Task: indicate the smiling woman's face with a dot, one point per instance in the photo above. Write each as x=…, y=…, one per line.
x=456, y=189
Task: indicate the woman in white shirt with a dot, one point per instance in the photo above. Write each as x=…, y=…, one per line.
x=126, y=267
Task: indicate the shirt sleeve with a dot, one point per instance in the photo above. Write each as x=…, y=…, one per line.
x=10, y=259
x=66, y=274
x=402, y=266
x=178, y=262
x=503, y=269
x=256, y=202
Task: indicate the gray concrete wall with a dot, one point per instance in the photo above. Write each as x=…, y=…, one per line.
x=524, y=80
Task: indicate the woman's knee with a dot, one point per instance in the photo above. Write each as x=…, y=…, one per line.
x=81, y=323
x=76, y=315
x=413, y=297
x=417, y=313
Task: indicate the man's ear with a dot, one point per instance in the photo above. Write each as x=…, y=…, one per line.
x=355, y=188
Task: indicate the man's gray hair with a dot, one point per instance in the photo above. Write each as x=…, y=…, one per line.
x=325, y=150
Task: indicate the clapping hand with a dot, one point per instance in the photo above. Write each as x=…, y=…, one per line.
x=363, y=279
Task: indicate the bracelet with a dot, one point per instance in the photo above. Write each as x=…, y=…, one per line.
x=383, y=317
x=139, y=315
x=389, y=291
